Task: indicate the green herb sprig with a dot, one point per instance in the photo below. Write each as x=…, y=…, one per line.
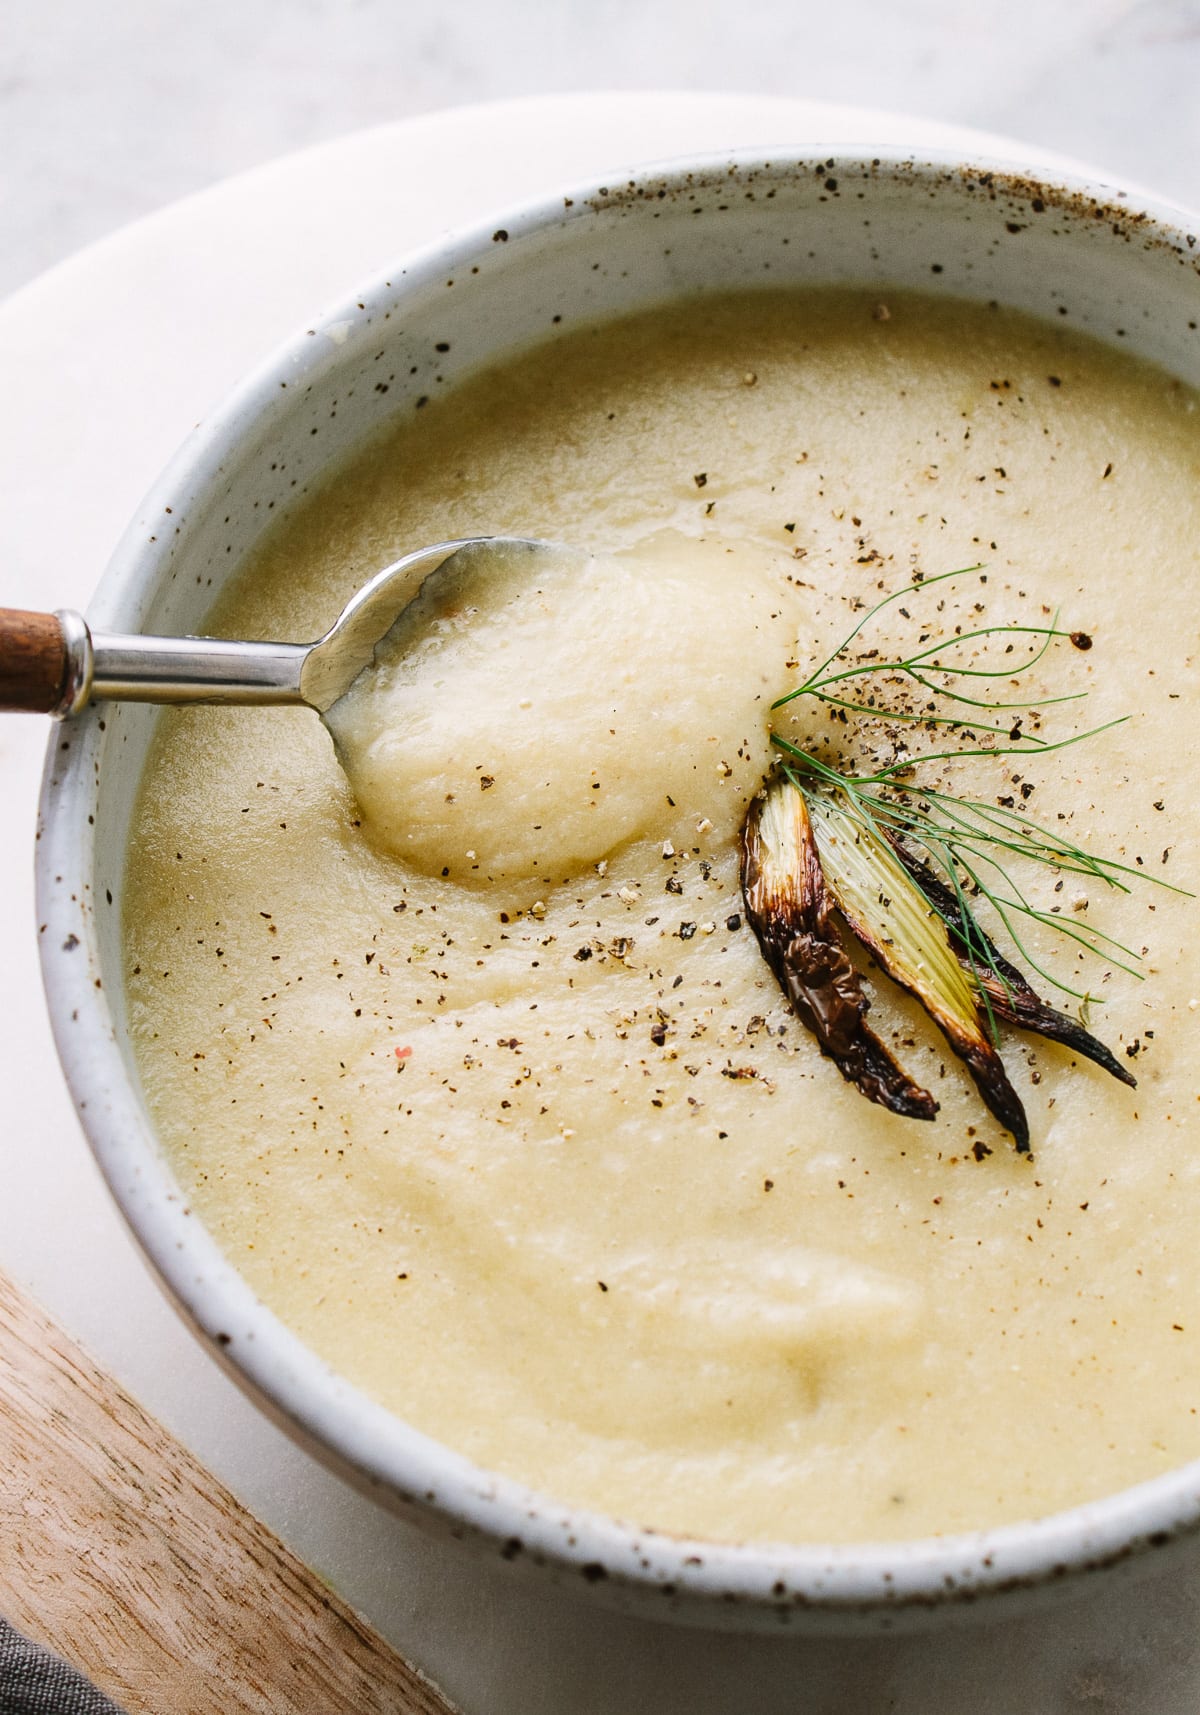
x=968, y=844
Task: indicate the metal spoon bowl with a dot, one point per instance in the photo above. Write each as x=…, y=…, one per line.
x=54, y=664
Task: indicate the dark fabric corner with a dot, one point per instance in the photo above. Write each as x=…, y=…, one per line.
x=35, y=1682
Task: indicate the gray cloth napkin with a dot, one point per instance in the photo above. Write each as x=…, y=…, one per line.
x=34, y=1682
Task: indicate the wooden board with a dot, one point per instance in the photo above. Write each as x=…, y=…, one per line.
x=123, y=1554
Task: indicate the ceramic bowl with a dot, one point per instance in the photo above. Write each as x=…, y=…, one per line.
x=1121, y=270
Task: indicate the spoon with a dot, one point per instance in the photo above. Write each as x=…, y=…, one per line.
x=52, y=663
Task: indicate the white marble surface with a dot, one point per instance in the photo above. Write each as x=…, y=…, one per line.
x=109, y=111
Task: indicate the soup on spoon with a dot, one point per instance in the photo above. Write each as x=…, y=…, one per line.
x=482, y=744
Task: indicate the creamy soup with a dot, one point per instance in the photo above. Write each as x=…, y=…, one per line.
x=479, y=1075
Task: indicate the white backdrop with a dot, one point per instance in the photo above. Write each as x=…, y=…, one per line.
x=109, y=111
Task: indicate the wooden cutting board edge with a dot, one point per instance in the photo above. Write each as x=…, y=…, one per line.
x=122, y=1553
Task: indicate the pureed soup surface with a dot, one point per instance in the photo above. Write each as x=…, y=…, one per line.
x=542, y=1161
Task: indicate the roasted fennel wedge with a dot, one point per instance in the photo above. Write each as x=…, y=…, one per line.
x=889, y=914
x=1009, y=995
x=791, y=912
x=820, y=849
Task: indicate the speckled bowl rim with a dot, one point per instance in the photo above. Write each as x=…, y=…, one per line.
x=857, y=1586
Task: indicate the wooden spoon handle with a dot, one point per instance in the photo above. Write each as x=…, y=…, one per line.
x=33, y=661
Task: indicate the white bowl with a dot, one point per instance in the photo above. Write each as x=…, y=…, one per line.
x=1125, y=273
